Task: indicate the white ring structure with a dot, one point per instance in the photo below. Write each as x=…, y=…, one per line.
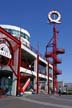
x=57, y=20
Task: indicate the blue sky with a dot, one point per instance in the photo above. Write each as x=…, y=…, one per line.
x=32, y=15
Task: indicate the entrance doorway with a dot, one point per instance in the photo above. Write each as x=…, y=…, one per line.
x=5, y=82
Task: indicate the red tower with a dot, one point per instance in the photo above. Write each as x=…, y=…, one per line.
x=51, y=54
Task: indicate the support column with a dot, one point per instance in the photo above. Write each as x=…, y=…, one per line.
x=37, y=73
x=46, y=86
x=16, y=70
x=48, y=79
x=14, y=85
x=35, y=70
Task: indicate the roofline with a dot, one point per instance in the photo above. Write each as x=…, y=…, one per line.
x=15, y=28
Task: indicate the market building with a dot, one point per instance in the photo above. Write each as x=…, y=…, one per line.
x=22, y=68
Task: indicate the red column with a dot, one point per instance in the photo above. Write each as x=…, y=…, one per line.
x=48, y=78
x=37, y=73
x=18, y=73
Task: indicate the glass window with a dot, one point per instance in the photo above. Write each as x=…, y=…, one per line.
x=15, y=33
x=24, y=36
x=42, y=69
x=6, y=30
x=9, y=30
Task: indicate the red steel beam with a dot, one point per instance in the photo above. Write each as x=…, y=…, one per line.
x=37, y=73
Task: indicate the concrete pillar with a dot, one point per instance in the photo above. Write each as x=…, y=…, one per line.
x=14, y=85
x=35, y=70
x=15, y=68
x=35, y=84
x=46, y=84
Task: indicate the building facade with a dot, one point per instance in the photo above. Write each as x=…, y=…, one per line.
x=22, y=68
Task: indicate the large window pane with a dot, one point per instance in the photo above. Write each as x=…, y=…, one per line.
x=24, y=36
x=15, y=33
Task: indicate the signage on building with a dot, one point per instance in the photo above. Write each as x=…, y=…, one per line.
x=56, y=18
x=5, y=51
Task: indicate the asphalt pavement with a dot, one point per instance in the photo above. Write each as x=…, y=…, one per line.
x=36, y=101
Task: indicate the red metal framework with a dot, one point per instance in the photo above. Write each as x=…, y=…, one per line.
x=15, y=49
x=52, y=54
x=37, y=73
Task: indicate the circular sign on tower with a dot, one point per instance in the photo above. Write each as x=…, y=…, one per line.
x=54, y=17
